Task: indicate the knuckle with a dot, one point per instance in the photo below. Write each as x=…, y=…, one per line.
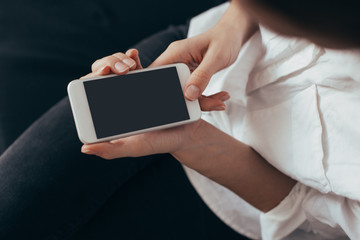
x=221, y=57
x=105, y=61
x=175, y=44
x=119, y=55
x=201, y=76
x=94, y=65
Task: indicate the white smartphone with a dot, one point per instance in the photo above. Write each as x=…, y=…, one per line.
x=116, y=106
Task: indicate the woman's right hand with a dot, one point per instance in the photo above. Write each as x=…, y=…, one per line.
x=121, y=63
x=117, y=63
x=211, y=51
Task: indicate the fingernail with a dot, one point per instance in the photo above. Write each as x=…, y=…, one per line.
x=121, y=67
x=218, y=108
x=225, y=97
x=192, y=92
x=88, y=151
x=129, y=62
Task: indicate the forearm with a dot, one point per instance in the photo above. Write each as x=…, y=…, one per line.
x=236, y=166
x=237, y=20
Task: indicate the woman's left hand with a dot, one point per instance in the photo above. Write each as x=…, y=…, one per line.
x=212, y=153
x=182, y=142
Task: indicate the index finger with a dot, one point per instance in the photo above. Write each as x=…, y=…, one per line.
x=171, y=55
x=201, y=76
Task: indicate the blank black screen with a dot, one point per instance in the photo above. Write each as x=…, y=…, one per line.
x=136, y=101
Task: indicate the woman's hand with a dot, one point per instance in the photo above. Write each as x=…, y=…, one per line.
x=212, y=153
x=194, y=145
x=117, y=63
x=209, y=52
x=169, y=140
x=122, y=63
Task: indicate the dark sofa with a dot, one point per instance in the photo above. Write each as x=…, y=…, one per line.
x=45, y=44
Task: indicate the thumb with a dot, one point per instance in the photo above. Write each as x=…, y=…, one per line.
x=201, y=76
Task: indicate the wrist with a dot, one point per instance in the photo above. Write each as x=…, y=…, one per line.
x=201, y=147
x=236, y=166
x=238, y=22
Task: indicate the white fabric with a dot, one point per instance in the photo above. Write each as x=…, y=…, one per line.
x=298, y=105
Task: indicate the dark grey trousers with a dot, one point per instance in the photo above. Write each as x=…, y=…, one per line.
x=50, y=190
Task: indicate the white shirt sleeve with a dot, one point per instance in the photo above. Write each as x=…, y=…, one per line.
x=297, y=105
x=328, y=215
x=317, y=133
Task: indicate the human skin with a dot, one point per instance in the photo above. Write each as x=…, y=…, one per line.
x=211, y=51
x=200, y=145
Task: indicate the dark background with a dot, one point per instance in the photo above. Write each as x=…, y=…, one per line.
x=46, y=44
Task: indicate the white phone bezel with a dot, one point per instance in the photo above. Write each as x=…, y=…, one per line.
x=82, y=115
